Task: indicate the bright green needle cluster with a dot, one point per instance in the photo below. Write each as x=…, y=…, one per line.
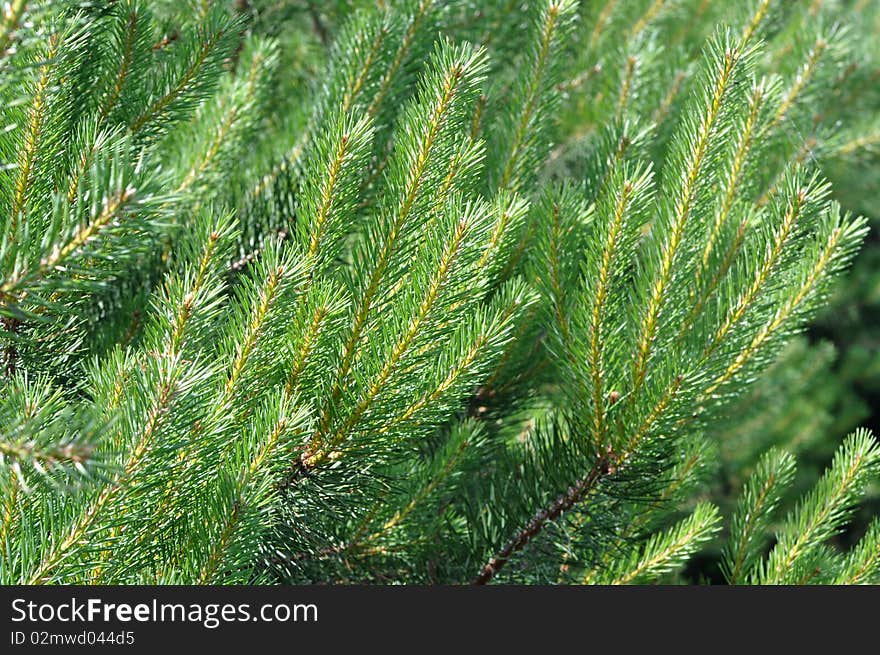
x=419, y=291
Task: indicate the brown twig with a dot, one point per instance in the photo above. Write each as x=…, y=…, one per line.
x=165, y=41
x=566, y=501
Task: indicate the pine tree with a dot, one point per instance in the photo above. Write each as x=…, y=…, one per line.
x=423, y=291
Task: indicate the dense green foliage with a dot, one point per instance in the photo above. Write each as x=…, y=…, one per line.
x=423, y=291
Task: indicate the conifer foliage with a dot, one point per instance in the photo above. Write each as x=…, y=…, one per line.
x=416, y=291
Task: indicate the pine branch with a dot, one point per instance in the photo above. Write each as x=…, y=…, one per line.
x=666, y=551
x=767, y=265
x=330, y=194
x=457, y=310
x=456, y=76
x=760, y=498
x=683, y=199
x=834, y=251
x=615, y=243
x=563, y=503
x=823, y=512
x=552, y=21
x=32, y=139
x=862, y=564
x=193, y=80
x=419, y=14
x=801, y=81
x=169, y=367
x=405, y=340
x=129, y=39
x=732, y=185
